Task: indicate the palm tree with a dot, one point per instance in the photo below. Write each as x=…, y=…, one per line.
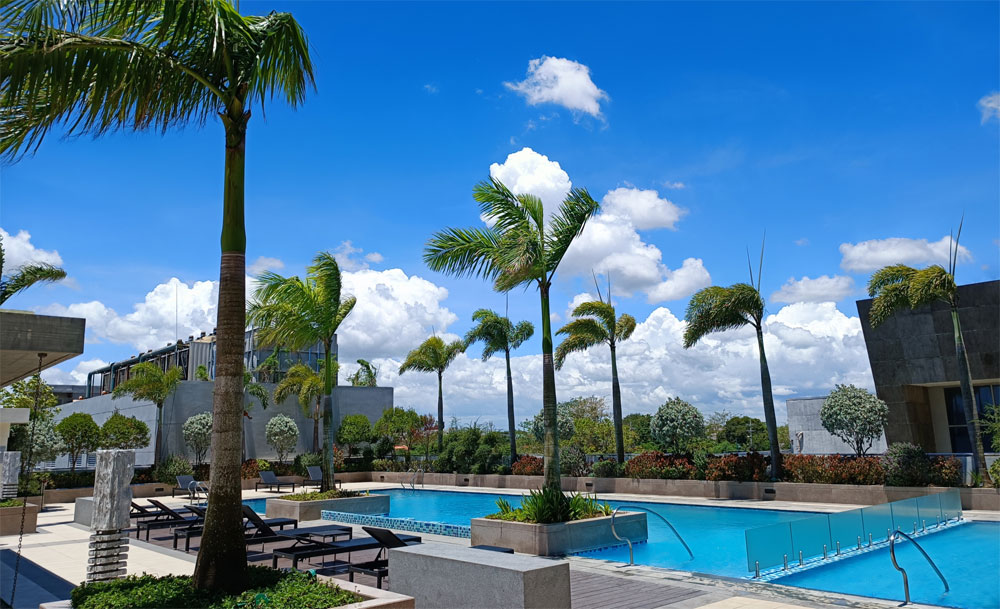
x=899, y=286
x=148, y=382
x=716, y=309
x=518, y=247
x=498, y=333
x=252, y=390
x=303, y=381
x=104, y=65
x=299, y=313
x=596, y=323
x=25, y=276
x=365, y=376
x=433, y=355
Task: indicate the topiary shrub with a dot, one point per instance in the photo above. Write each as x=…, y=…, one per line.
x=79, y=434
x=740, y=468
x=906, y=465
x=676, y=424
x=123, y=432
x=855, y=416
x=528, y=465
x=606, y=468
x=282, y=435
x=172, y=466
x=572, y=461
x=197, y=431
x=946, y=471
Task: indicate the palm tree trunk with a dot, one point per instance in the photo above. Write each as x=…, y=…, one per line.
x=158, y=443
x=769, y=417
x=315, y=419
x=329, y=475
x=511, y=425
x=551, y=450
x=616, y=408
x=969, y=400
x=222, y=562
x=440, y=411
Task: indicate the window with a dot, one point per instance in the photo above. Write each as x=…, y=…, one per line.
x=985, y=394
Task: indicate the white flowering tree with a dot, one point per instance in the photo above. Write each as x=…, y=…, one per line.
x=675, y=424
x=197, y=432
x=855, y=416
x=282, y=434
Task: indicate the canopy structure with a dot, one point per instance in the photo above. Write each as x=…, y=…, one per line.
x=23, y=335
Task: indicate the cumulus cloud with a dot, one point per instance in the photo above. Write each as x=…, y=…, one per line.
x=645, y=209
x=674, y=185
x=802, y=242
x=265, y=263
x=77, y=375
x=18, y=251
x=528, y=172
x=680, y=283
x=820, y=289
x=565, y=82
x=429, y=88
x=877, y=253
x=349, y=257
x=989, y=106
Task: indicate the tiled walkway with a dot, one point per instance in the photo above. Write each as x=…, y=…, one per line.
x=593, y=591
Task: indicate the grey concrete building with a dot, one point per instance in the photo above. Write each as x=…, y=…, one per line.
x=915, y=370
x=808, y=435
x=23, y=335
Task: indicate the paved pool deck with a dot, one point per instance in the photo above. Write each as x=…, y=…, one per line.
x=61, y=547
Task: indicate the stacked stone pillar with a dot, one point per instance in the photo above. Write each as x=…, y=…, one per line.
x=112, y=500
x=10, y=468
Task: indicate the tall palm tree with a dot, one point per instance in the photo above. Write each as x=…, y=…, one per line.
x=899, y=286
x=518, y=248
x=434, y=355
x=25, y=276
x=366, y=375
x=148, y=382
x=104, y=65
x=299, y=313
x=597, y=323
x=307, y=384
x=498, y=333
x=252, y=390
x=716, y=309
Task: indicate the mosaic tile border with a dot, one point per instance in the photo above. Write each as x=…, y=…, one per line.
x=399, y=524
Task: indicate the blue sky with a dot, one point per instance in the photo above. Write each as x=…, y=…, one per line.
x=849, y=132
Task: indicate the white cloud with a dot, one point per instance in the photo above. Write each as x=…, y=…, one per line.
x=674, y=185
x=75, y=376
x=528, y=172
x=560, y=81
x=578, y=300
x=877, y=253
x=680, y=283
x=264, y=263
x=345, y=255
x=644, y=208
x=989, y=106
x=820, y=289
x=430, y=88
x=802, y=242
x=18, y=251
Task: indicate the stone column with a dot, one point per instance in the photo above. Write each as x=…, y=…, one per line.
x=112, y=501
x=10, y=468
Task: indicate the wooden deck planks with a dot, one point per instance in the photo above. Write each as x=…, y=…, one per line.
x=595, y=591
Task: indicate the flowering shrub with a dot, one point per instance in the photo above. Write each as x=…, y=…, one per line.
x=906, y=465
x=806, y=468
x=572, y=461
x=251, y=468
x=946, y=471
x=863, y=470
x=654, y=464
x=833, y=469
x=528, y=466
x=676, y=424
x=746, y=468
x=606, y=469
x=387, y=465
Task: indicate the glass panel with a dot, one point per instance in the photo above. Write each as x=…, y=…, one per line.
x=878, y=521
x=768, y=545
x=810, y=535
x=847, y=527
x=951, y=504
x=904, y=515
x=929, y=509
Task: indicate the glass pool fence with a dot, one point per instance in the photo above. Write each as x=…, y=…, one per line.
x=825, y=535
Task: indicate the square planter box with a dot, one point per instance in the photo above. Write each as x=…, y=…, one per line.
x=10, y=519
x=561, y=538
x=310, y=510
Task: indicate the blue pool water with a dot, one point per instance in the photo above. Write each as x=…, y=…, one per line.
x=257, y=505
x=968, y=556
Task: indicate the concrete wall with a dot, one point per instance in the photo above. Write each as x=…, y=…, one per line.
x=914, y=349
x=193, y=397
x=803, y=417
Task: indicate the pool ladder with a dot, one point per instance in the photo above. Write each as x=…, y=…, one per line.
x=631, y=560
x=892, y=555
x=195, y=488
x=413, y=478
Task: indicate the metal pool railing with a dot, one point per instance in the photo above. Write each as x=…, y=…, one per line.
x=825, y=534
x=895, y=565
x=631, y=561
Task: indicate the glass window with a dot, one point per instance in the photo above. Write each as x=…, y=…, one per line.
x=985, y=395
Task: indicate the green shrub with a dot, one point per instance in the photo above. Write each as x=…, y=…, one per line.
x=301, y=462
x=470, y=450
x=946, y=471
x=572, y=461
x=354, y=429
x=320, y=495
x=9, y=503
x=528, y=466
x=282, y=434
x=70, y=479
x=906, y=465
x=995, y=473
x=387, y=465
x=263, y=465
x=740, y=468
x=79, y=434
x=120, y=431
x=676, y=424
x=288, y=590
x=197, y=431
x=172, y=467
x=549, y=505
x=607, y=469
x=855, y=416
x=383, y=447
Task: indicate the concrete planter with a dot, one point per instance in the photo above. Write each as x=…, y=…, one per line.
x=10, y=519
x=310, y=510
x=139, y=491
x=561, y=538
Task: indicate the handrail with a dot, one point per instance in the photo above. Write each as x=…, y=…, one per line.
x=402, y=483
x=631, y=561
x=892, y=556
x=420, y=471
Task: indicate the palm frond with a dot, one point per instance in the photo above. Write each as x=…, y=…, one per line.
x=566, y=224
x=931, y=284
x=599, y=309
x=572, y=343
x=891, y=298
x=462, y=252
x=889, y=275
x=716, y=309
x=624, y=327
x=522, y=332
x=26, y=276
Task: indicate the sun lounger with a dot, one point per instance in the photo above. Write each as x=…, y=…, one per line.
x=378, y=568
x=172, y=519
x=195, y=529
x=311, y=548
x=316, y=477
x=140, y=512
x=268, y=479
x=261, y=531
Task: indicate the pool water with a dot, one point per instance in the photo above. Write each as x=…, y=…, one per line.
x=968, y=556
